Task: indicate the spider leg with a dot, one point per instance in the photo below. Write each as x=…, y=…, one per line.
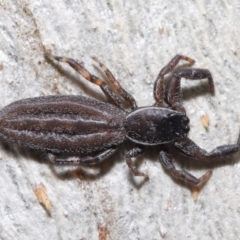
x=158, y=85
x=110, y=95
x=189, y=148
x=134, y=153
x=116, y=85
x=173, y=89
x=166, y=160
x=78, y=160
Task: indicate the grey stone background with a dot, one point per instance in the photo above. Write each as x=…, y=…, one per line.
x=135, y=39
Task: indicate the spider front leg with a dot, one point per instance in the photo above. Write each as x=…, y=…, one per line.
x=166, y=161
x=188, y=148
x=158, y=85
x=173, y=95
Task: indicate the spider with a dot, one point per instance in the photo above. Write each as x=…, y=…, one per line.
x=81, y=130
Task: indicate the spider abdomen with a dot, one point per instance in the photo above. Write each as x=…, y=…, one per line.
x=63, y=124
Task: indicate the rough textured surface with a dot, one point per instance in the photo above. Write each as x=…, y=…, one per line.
x=135, y=39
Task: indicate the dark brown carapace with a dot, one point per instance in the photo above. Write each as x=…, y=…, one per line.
x=81, y=130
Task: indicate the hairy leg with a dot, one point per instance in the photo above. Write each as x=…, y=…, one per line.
x=166, y=160
x=117, y=87
x=158, y=85
x=111, y=96
x=190, y=149
x=173, y=93
x=134, y=153
x=77, y=160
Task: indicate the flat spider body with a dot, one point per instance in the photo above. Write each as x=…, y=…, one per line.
x=81, y=130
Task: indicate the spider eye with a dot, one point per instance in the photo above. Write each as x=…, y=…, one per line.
x=185, y=119
x=187, y=128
